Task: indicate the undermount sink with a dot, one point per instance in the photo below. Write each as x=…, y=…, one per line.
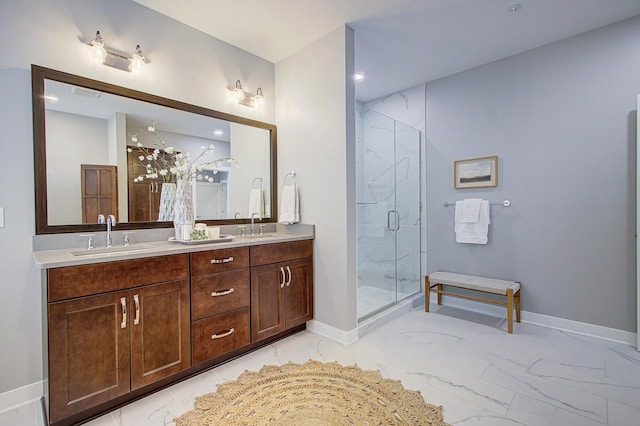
x=110, y=250
x=260, y=236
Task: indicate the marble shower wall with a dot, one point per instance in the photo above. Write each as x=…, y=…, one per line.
x=388, y=178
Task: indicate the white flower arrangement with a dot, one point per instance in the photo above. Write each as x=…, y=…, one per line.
x=175, y=165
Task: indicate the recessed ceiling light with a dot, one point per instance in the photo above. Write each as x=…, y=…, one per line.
x=218, y=132
x=358, y=76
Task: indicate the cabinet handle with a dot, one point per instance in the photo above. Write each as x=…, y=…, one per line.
x=222, y=293
x=282, y=272
x=225, y=260
x=136, y=302
x=220, y=336
x=289, y=271
x=156, y=187
x=123, y=303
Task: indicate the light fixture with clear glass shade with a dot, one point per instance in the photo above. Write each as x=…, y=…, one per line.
x=98, y=46
x=245, y=98
x=238, y=92
x=116, y=59
x=137, y=58
x=258, y=99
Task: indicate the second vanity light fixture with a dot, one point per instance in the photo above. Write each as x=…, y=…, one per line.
x=114, y=59
x=245, y=98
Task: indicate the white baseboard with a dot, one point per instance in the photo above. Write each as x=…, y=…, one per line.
x=15, y=398
x=577, y=327
x=330, y=332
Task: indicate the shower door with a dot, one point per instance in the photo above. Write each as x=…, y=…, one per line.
x=388, y=212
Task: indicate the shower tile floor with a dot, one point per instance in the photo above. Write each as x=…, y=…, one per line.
x=461, y=360
x=372, y=299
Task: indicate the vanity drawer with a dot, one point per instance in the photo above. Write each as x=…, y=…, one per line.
x=211, y=261
x=280, y=252
x=76, y=281
x=220, y=334
x=217, y=293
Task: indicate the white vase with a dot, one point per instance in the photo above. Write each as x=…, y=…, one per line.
x=167, y=200
x=183, y=216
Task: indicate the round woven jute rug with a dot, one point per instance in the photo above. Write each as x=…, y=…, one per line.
x=312, y=394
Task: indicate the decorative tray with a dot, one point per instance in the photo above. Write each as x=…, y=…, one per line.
x=222, y=239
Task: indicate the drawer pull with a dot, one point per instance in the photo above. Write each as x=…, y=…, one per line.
x=289, y=271
x=123, y=303
x=225, y=260
x=283, y=279
x=220, y=336
x=222, y=293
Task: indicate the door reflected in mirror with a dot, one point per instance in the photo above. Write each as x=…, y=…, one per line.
x=110, y=150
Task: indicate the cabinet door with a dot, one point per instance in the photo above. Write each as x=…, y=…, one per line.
x=88, y=352
x=160, y=331
x=144, y=200
x=298, y=301
x=267, y=315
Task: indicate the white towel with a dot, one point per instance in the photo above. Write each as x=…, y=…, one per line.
x=472, y=233
x=256, y=201
x=470, y=210
x=289, y=205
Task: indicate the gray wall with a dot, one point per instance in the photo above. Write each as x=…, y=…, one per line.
x=185, y=64
x=561, y=119
x=315, y=115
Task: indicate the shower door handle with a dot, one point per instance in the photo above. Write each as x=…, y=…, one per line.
x=396, y=221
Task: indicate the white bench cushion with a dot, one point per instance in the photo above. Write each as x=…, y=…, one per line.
x=490, y=285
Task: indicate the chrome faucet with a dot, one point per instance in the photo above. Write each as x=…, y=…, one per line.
x=111, y=221
x=252, y=216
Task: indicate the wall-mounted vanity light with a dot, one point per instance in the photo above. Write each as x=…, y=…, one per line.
x=258, y=99
x=115, y=59
x=245, y=98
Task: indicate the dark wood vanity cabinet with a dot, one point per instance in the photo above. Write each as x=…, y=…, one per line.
x=104, y=344
x=220, y=302
x=281, y=287
x=116, y=331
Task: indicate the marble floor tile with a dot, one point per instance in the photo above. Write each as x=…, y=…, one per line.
x=463, y=361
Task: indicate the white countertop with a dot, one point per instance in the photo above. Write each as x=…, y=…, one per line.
x=58, y=258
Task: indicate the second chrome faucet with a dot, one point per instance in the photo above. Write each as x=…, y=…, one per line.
x=111, y=221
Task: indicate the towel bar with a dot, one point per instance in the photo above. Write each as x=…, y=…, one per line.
x=505, y=203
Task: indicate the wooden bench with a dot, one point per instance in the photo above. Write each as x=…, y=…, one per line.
x=510, y=289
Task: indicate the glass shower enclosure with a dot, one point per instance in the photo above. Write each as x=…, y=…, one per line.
x=388, y=211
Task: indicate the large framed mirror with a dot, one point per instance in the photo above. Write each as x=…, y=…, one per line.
x=105, y=149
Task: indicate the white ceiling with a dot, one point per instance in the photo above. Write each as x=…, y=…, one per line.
x=399, y=43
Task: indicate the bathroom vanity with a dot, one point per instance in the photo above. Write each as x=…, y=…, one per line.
x=120, y=325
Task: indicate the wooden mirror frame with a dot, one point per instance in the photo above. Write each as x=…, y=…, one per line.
x=38, y=76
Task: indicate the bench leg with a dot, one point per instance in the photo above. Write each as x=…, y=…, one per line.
x=518, y=306
x=510, y=310
x=427, y=293
x=439, y=294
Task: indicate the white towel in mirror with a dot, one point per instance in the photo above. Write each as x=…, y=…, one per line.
x=256, y=201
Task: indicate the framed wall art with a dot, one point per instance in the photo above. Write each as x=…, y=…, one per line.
x=480, y=172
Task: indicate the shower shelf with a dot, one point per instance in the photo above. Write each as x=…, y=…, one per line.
x=364, y=203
